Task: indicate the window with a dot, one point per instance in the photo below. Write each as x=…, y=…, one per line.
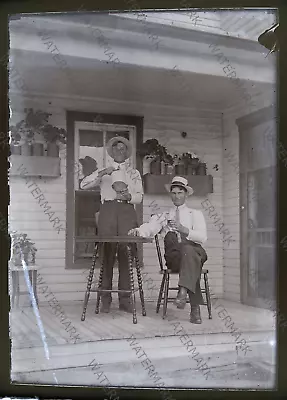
x=90, y=155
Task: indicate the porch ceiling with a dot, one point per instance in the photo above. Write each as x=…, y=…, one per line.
x=98, y=79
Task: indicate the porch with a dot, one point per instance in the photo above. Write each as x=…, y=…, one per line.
x=103, y=339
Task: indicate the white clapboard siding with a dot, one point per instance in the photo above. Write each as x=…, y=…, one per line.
x=203, y=129
x=231, y=253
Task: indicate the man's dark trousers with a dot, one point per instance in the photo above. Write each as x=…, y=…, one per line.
x=186, y=258
x=116, y=219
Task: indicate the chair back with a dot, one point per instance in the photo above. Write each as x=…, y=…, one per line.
x=159, y=256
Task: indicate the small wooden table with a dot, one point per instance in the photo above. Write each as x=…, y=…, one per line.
x=15, y=272
x=131, y=241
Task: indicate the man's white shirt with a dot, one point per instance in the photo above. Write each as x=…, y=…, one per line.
x=132, y=178
x=190, y=218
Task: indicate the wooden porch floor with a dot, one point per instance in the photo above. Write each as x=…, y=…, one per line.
x=103, y=337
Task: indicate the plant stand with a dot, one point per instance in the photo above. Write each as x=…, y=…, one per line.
x=15, y=281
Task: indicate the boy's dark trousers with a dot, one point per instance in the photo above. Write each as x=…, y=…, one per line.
x=116, y=219
x=187, y=259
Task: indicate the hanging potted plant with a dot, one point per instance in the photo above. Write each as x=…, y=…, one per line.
x=15, y=147
x=22, y=248
x=53, y=137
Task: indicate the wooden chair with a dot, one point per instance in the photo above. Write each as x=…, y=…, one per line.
x=164, y=298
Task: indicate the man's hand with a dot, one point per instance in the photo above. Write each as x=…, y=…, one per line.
x=178, y=227
x=107, y=171
x=124, y=195
x=133, y=232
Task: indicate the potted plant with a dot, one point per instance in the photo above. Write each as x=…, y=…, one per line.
x=35, y=121
x=22, y=246
x=15, y=147
x=53, y=137
x=153, y=153
x=194, y=164
x=27, y=128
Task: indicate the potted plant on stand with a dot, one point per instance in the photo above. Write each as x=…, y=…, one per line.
x=22, y=246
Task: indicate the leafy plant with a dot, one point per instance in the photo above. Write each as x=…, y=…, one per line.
x=15, y=135
x=36, y=122
x=53, y=134
x=153, y=148
x=21, y=244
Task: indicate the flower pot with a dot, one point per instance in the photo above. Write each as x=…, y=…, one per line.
x=180, y=169
x=155, y=167
x=201, y=169
x=38, y=149
x=15, y=149
x=17, y=260
x=194, y=165
x=169, y=169
x=52, y=150
x=190, y=170
x=146, y=165
x=26, y=149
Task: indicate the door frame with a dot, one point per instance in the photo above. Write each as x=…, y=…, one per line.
x=81, y=116
x=245, y=124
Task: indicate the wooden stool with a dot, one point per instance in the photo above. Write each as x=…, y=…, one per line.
x=130, y=241
x=15, y=272
x=163, y=297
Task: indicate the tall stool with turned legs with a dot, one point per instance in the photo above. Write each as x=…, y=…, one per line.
x=131, y=243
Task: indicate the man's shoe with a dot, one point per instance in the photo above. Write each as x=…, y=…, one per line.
x=180, y=300
x=195, y=317
x=126, y=307
x=105, y=307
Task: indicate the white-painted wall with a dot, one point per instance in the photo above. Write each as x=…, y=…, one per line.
x=26, y=215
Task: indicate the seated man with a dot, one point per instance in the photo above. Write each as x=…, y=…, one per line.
x=185, y=230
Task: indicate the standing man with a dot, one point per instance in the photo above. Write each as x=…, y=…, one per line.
x=117, y=214
x=184, y=232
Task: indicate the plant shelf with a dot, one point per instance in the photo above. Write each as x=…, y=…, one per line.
x=201, y=184
x=35, y=166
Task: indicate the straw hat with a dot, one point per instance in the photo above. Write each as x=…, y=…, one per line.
x=114, y=141
x=181, y=182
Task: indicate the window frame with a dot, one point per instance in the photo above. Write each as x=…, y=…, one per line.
x=74, y=120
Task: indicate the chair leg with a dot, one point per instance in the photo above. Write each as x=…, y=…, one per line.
x=165, y=299
x=132, y=286
x=207, y=295
x=140, y=283
x=89, y=284
x=159, y=300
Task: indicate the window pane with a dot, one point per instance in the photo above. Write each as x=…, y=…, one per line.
x=91, y=151
x=111, y=134
x=91, y=158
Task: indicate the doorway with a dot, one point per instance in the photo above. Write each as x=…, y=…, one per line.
x=258, y=196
